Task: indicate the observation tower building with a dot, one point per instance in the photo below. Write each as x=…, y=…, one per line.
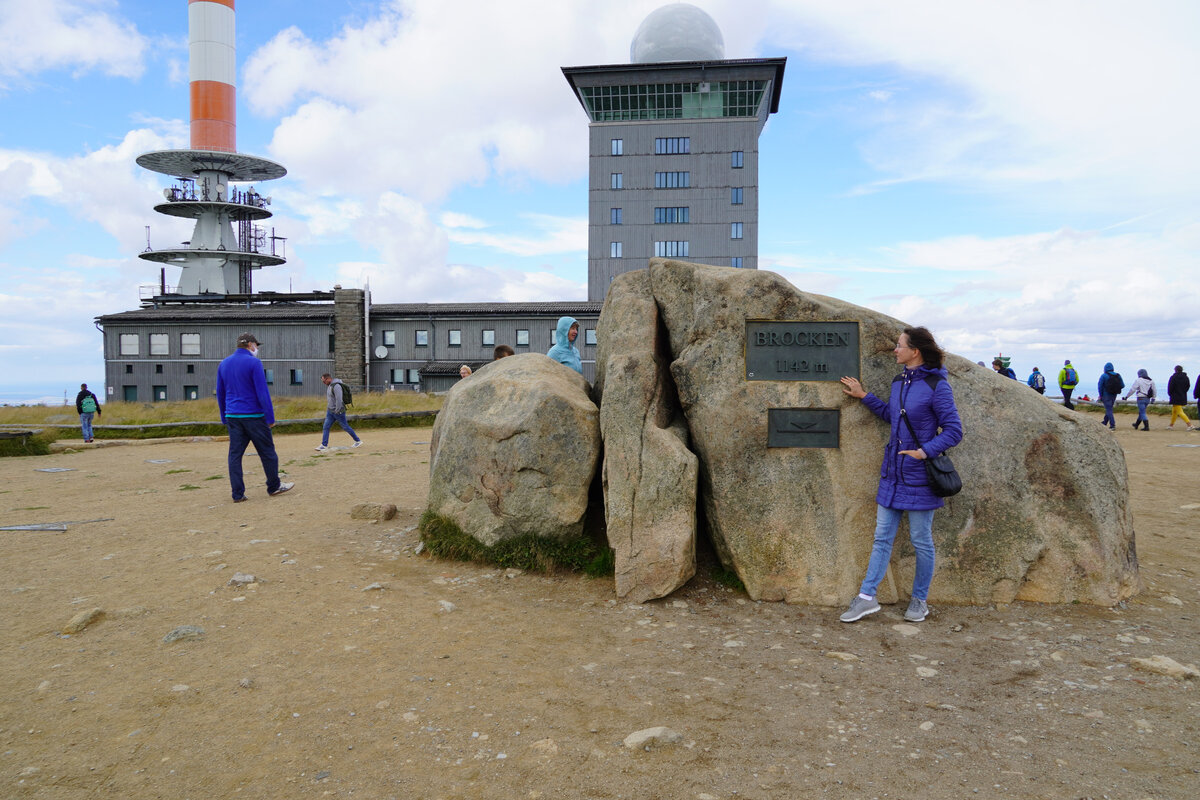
x=227, y=244
x=673, y=148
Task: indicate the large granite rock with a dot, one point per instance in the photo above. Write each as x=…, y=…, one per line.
x=648, y=473
x=514, y=450
x=1044, y=514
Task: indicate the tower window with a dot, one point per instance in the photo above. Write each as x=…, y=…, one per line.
x=616, y=180
x=673, y=145
x=736, y=261
x=672, y=180
x=614, y=250
x=667, y=216
x=737, y=158
x=618, y=147
x=735, y=230
x=614, y=216
x=735, y=196
x=670, y=249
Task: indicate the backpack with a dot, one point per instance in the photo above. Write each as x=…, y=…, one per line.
x=1113, y=384
x=88, y=405
x=1071, y=378
x=1039, y=381
x=347, y=396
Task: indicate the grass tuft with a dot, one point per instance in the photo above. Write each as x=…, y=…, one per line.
x=445, y=539
x=727, y=578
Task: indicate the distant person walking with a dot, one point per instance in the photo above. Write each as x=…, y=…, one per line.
x=1177, y=389
x=1037, y=381
x=335, y=411
x=246, y=410
x=86, y=406
x=1068, y=379
x=922, y=394
x=1108, y=387
x=1007, y=372
x=1144, y=388
x=564, y=350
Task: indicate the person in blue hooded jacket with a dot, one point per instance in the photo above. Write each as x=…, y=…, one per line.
x=564, y=350
x=1108, y=387
x=903, y=484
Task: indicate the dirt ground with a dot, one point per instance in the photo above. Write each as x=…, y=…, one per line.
x=353, y=667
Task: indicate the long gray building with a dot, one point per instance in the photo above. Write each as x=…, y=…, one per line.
x=673, y=173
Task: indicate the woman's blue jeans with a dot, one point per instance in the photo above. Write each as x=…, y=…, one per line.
x=920, y=533
x=1142, y=403
x=1109, y=419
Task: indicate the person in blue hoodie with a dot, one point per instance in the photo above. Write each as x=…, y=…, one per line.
x=564, y=350
x=1108, y=387
x=246, y=410
x=903, y=484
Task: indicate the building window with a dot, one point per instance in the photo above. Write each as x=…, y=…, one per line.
x=159, y=393
x=614, y=216
x=672, y=180
x=414, y=376
x=398, y=376
x=618, y=147
x=736, y=159
x=589, y=336
x=129, y=344
x=692, y=100
x=296, y=377
x=736, y=261
x=522, y=337
x=191, y=369
x=673, y=145
x=332, y=342
x=129, y=369
x=671, y=215
x=159, y=344
x=454, y=338
x=422, y=338
x=489, y=338
x=614, y=249
x=735, y=196
x=670, y=249
x=389, y=338
x=158, y=369
x=735, y=230
x=191, y=393
x=616, y=180
x=270, y=376
x=189, y=344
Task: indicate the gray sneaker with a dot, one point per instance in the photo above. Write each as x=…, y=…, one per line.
x=917, y=610
x=283, y=487
x=859, y=608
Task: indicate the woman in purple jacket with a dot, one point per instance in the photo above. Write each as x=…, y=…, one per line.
x=922, y=393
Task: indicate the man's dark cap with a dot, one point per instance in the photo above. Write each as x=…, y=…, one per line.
x=247, y=338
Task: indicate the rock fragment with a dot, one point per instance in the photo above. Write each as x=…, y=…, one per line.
x=82, y=620
x=649, y=738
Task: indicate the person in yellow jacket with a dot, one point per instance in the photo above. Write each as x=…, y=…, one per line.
x=1068, y=379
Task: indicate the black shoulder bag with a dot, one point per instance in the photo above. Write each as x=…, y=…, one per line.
x=943, y=477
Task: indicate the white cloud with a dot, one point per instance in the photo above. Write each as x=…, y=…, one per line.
x=553, y=235
x=451, y=219
x=78, y=35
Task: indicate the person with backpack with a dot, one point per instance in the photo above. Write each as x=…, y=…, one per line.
x=999, y=367
x=924, y=424
x=1108, y=387
x=337, y=397
x=1177, y=389
x=1068, y=379
x=1037, y=381
x=86, y=406
x=1144, y=388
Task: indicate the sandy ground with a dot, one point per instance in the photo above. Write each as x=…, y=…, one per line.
x=457, y=681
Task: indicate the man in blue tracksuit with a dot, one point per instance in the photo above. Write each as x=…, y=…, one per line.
x=246, y=410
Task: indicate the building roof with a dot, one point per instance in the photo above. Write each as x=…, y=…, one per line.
x=561, y=308
x=778, y=64
x=230, y=313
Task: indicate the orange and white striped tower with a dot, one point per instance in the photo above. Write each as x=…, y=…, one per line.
x=217, y=260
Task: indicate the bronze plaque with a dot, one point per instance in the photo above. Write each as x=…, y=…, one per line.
x=778, y=350
x=803, y=427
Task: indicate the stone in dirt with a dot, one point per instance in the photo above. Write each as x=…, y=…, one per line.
x=242, y=579
x=82, y=620
x=1044, y=515
x=183, y=633
x=648, y=474
x=376, y=511
x=1165, y=665
x=651, y=737
x=514, y=450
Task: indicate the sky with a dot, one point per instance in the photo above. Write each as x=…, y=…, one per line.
x=1019, y=176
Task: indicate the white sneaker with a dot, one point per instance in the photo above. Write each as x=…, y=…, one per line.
x=320, y=448
x=357, y=444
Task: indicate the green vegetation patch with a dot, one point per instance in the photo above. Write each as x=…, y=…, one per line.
x=444, y=539
x=187, y=487
x=177, y=471
x=728, y=578
x=36, y=445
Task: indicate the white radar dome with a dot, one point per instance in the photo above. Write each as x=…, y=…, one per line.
x=677, y=32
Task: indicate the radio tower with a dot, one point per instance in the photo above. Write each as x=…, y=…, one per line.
x=216, y=260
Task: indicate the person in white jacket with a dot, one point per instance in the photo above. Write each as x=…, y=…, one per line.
x=1143, y=387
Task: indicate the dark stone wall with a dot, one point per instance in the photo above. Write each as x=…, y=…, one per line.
x=349, y=362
